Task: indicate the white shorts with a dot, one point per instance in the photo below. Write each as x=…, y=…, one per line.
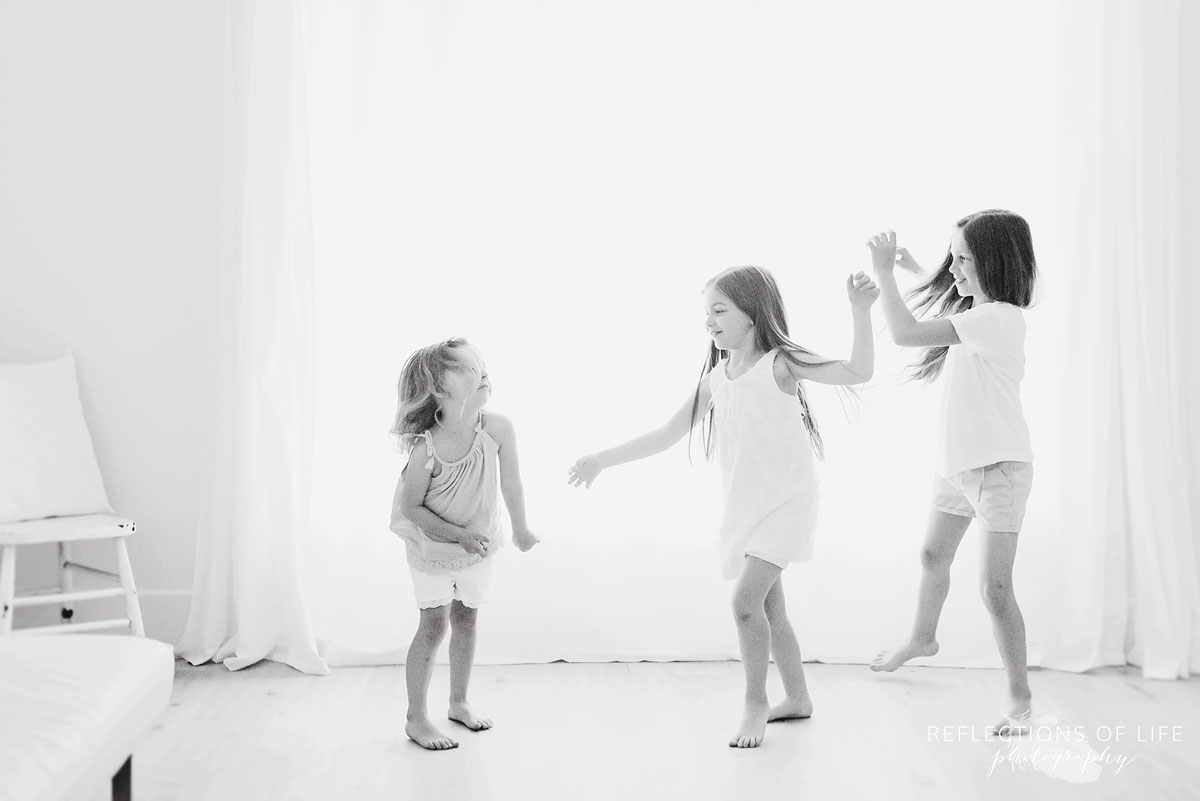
x=996, y=493
x=471, y=586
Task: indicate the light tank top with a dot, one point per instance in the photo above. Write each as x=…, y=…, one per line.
x=466, y=492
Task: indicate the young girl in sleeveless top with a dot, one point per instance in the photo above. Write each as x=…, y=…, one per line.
x=984, y=465
x=751, y=396
x=446, y=509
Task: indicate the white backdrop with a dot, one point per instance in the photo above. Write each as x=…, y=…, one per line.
x=556, y=182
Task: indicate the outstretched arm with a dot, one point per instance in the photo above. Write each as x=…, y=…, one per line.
x=906, y=329
x=585, y=470
x=861, y=364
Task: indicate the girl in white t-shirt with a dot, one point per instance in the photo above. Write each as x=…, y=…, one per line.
x=984, y=466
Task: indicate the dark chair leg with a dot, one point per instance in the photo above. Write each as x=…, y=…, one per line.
x=122, y=783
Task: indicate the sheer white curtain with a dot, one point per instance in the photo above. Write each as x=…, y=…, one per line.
x=556, y=181
x=1125, y=533
x=247, y=603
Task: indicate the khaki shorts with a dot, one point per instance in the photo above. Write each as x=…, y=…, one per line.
x=996, y=494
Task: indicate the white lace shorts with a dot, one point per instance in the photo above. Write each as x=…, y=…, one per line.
x=472, y=586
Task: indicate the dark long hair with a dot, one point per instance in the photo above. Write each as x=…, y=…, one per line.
x=754, y=291
x=1002, y=246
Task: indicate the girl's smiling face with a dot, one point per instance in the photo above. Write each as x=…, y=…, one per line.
x=964, y=268
x=729, y=326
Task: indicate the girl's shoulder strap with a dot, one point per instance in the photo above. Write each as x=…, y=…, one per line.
x=486, y=428
x=414, y=441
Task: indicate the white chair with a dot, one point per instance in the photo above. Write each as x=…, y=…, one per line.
x=64, y=531
x=51, y=491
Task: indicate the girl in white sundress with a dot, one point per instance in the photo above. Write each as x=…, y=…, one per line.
x=446, y=509
x=751, y=396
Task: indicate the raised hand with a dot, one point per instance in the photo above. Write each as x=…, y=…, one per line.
x=584, y=471
x=905, y=261
x=883, y=252
x=861, y=290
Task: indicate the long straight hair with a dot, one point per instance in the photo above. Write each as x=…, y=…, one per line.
x=754, y=291
x=1002, y=246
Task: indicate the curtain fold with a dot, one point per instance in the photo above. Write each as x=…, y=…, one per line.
x=583, y=201
x=494, y=172
x=247, y=603
x=1129, y=590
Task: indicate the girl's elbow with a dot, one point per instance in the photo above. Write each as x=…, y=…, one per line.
x=406, y=511
x=855, y=373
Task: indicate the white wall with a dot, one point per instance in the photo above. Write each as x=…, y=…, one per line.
x=110, y=119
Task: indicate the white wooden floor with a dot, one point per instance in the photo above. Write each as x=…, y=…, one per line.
x=659, y=731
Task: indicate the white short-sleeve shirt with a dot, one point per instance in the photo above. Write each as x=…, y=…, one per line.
x=982, y=419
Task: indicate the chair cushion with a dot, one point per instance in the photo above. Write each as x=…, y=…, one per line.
x=47, y=463
x=74, y=707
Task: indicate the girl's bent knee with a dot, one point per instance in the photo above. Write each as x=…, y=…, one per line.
x=433, y=623
x=429, y=638
x=744, y=612
x=463, y=618
x=997, y=596
x=935, y=560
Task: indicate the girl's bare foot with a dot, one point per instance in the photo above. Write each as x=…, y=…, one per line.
x=425, y=734
x=464, y=714
x=888, y=661
x=791, y=709
x=753, y=727
x=1017, y=719
x=525, y=540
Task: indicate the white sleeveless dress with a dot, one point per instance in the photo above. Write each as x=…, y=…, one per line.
x=768, y=469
